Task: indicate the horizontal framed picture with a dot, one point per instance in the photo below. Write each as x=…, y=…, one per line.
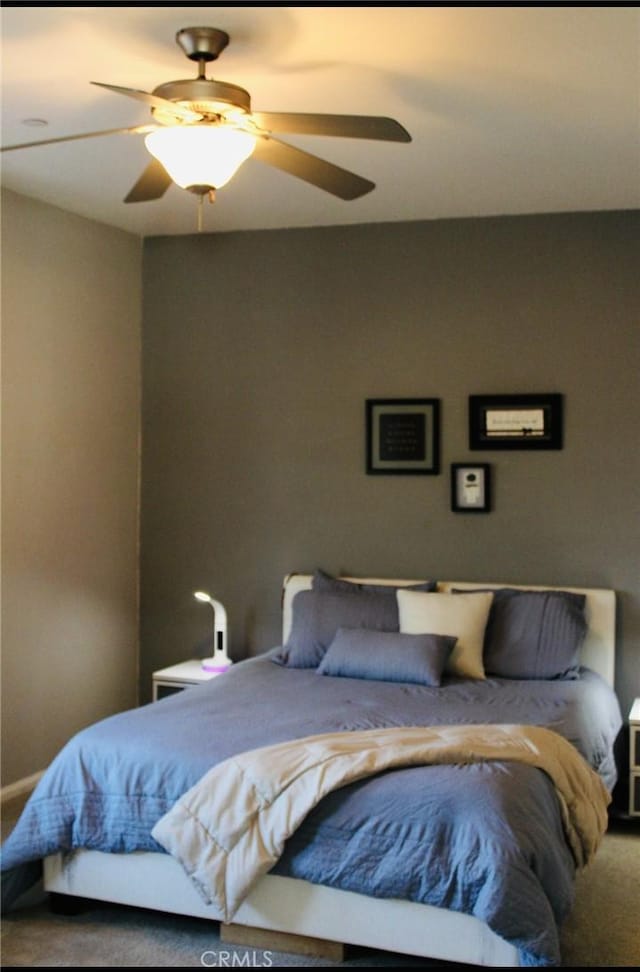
x=470, y=487
x=515, y=421
x=403, y=436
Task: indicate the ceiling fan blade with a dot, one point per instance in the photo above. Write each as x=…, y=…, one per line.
x=137, y=129
x=152, y=184
x=345, y=126
x=312, y=169
x=150, y=99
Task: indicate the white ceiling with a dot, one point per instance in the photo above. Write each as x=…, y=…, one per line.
x=512, y=110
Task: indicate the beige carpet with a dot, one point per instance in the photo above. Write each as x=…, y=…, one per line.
x=601, y=931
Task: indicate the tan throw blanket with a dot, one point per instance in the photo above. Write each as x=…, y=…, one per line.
x=230, y=828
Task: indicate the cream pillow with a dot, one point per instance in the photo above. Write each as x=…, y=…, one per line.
x=462, y=615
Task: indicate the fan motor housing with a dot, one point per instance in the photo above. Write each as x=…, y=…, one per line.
x=211, y=97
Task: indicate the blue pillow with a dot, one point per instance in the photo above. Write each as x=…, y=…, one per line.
x=322, y=581
x=387, y=656
x=534, y=634
x=317, y=615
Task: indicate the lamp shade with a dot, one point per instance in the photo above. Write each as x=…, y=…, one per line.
x=200, y=155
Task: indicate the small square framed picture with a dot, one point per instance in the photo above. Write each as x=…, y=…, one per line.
x=470, y=487
x=403, y=436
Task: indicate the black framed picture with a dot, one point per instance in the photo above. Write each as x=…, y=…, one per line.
x=515, y=421
x=470, y=487
x=403, y=436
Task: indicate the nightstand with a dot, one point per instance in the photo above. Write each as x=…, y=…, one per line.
x=175, y=678
x=634, y=760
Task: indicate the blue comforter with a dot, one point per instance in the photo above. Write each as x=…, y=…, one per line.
x=485, y=839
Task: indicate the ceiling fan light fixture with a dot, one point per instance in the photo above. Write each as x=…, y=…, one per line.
x=200, y=155
x=204, y=130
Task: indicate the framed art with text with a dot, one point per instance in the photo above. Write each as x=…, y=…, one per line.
x=470, y=487
x=515, y=421
x=403, y=436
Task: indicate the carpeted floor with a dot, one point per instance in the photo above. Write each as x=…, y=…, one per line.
x=601, y=931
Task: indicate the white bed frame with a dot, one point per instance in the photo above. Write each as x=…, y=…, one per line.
x=296, y=907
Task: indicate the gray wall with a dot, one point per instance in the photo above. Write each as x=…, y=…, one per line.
x=71, y=309
x=259, y=350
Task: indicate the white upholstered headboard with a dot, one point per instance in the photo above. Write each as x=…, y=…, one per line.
x=598, y=650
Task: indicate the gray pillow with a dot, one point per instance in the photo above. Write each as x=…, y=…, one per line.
x=322, y=581
x=387, y=656
x=534, y=634
x=317, y=615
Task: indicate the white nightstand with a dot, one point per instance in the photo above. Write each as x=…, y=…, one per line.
x=175, y=678
x=634, y=759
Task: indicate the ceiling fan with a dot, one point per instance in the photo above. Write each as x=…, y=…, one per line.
x=205, y=123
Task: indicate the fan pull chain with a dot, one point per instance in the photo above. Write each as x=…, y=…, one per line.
x=211, y=196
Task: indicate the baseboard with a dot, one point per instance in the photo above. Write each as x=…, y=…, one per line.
x=21, y=788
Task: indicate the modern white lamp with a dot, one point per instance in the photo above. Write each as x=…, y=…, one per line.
x=219, y=661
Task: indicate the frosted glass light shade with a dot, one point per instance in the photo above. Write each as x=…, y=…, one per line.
x=200, y=155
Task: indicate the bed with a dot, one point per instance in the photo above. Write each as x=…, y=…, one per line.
x=465, y=861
